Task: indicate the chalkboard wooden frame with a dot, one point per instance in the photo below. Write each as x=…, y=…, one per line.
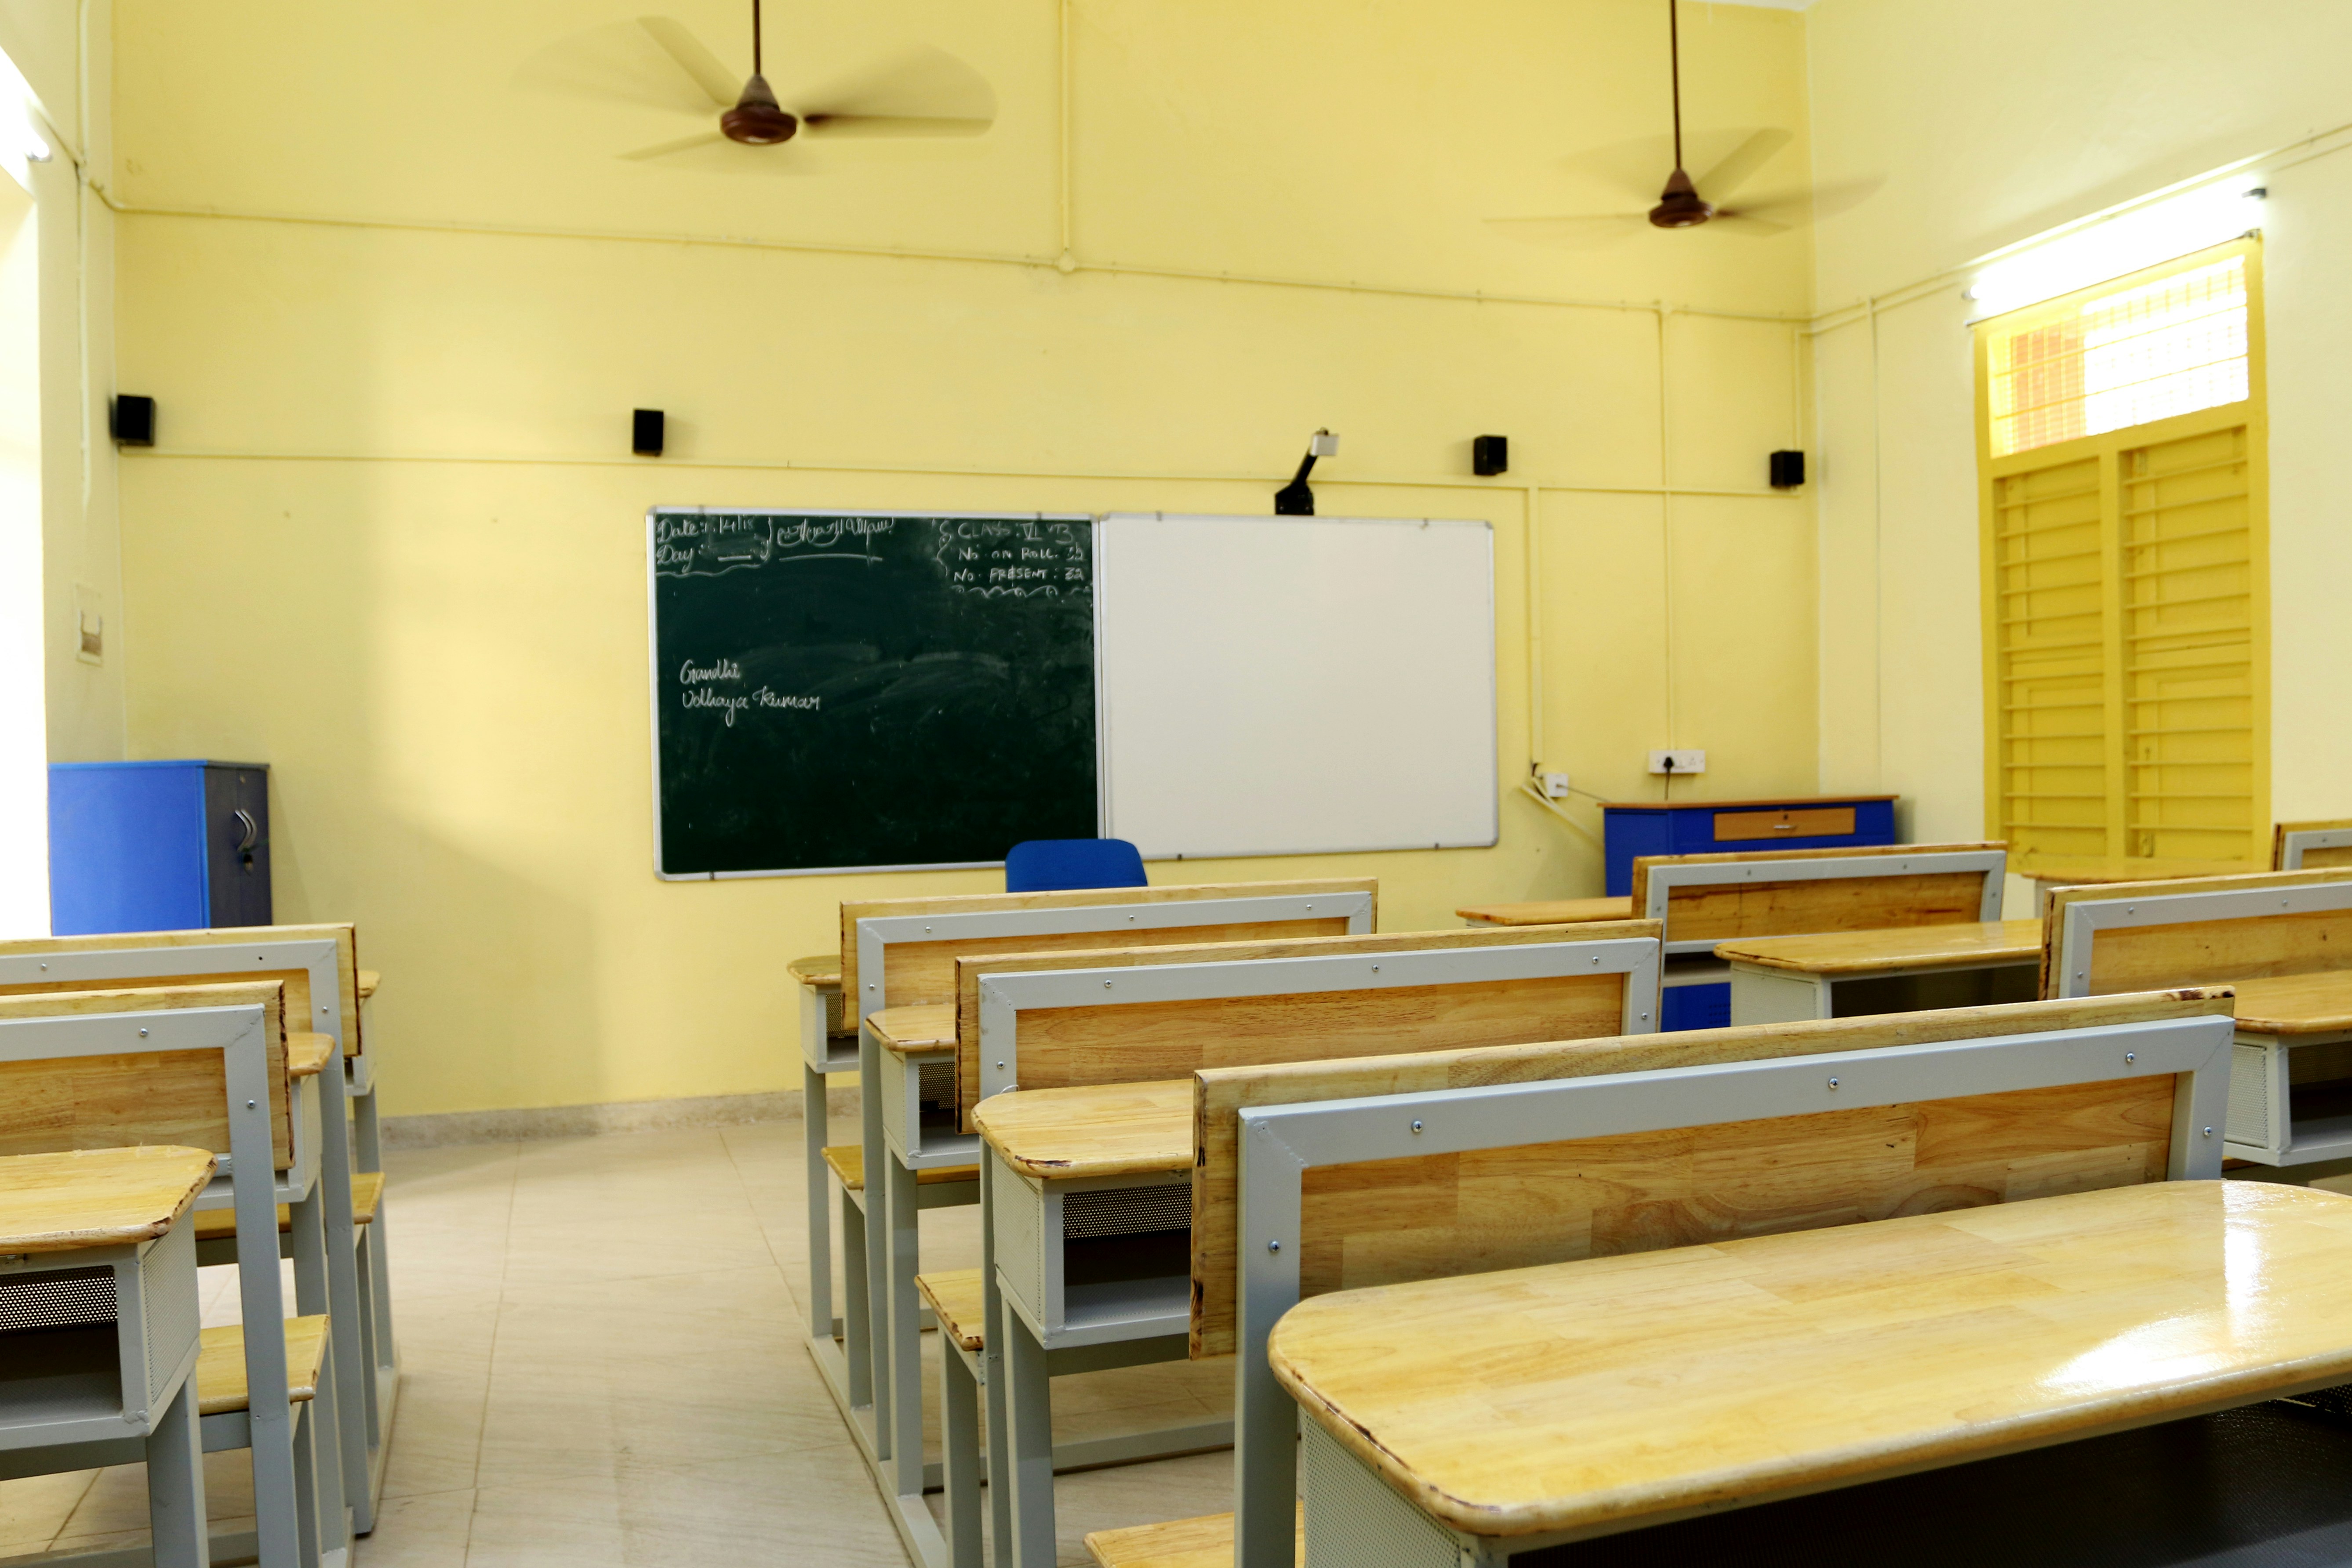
x=862, y=525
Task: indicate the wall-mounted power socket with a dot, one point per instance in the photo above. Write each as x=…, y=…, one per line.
x=1678, y=762
x=1555, y=786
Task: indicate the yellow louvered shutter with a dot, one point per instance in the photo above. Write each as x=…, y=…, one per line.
x=2124, y=571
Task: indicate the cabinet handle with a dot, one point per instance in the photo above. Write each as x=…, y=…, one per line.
x=1777, y=827
x=252, y=831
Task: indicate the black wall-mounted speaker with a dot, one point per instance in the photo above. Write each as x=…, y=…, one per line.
x=1787, y=470
x=646, y=433
x=1490, y=455
x=134, y=420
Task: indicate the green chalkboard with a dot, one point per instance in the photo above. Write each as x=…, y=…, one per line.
x=834, y=691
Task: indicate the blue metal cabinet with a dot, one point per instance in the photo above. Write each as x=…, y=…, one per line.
x=1632, y=829
x=158, y=846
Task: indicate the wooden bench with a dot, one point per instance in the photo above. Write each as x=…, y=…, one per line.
x=1084, y=1177
x=207, y=1067
x=1708, y=899
x=2292, y=1100
x=902, y=951
x=2311, y=846
x=1511, y=1157
x=317, y=966
x=1844, y=974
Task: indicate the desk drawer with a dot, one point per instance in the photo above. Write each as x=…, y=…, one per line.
x=1817, y=823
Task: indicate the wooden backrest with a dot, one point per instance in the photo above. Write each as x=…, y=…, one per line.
x=2309, y=846
x=1575, y=992
x=1061, y=1047
x=1707, y=899
x=1419, y=1218
x=163, y=1097
x=2101, y=939
x=922, y=972
x=296, y=981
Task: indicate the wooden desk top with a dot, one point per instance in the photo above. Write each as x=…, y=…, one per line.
x=307, y=1055
x=931, y=1027
x=97, y=1198
x=2295, y=1004
x=1901, y=948
x=367, y=981
x=1105, y=1129
x=1551, y=912
x=1627, y=1390
x=818, y=969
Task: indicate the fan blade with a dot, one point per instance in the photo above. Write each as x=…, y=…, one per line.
x=1741, y=163
x=877, y=125
x=618, y=63
x=1578, y=232
x=1633, y=168
x=922, y=84
x=1747, y=223
x=664, y=149
x=699, y=63
x=1821, y=201
x=712, y=153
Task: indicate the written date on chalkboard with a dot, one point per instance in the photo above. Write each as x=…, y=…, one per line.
x=847, y=690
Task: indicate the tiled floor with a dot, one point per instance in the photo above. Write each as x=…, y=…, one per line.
x=602, y=1365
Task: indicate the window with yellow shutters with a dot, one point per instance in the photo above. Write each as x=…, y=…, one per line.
x=2125, y=581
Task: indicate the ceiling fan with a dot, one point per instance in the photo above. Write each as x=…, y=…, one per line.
x=921, y=92
x=1686, y=203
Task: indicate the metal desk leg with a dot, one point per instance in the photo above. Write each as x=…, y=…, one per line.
x=1025, y=1466
x=959, y=1454
x=175, y=1484
x=902, y=1320
x=877, y=1281
x=816, y=1124
x=992, y=1365
x=857, y=1350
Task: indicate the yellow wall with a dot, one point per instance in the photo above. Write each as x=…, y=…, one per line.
x=396, y=298
x=1984, y=125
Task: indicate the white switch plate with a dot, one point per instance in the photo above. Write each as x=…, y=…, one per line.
x=1681, y=761
x=1556, y=786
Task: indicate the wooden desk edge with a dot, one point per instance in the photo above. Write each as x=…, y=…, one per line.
x=2025, y=949
x=1151, y=1158
x=191, y=1182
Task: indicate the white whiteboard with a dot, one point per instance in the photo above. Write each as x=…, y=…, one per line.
x=1297, y=686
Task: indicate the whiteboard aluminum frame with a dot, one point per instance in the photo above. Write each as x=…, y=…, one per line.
x=1493, y=698
x=653, y=676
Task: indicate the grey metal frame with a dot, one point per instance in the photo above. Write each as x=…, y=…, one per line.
x=358, y=1304
x=1021, y=1219
x=1279, y=1144
x=2294, y=844
x=2260, y=1093
x=858, y=1371
x=1664, y=879
x=300, y=1508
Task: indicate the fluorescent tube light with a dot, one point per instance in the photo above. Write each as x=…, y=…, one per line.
x=2119, y=245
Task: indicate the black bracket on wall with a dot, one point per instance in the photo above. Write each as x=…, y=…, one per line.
x=1294, y=499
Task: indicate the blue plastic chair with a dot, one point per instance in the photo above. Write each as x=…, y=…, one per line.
x=1057, y=865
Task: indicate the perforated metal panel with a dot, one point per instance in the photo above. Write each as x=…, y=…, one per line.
x=168, y=1301
x=2251, y=1115
x=935, y=1082
x=1127, y=1210
x=1354, y=1521
x=69, y=1297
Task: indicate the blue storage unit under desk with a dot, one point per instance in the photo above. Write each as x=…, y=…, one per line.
x=180, y=846
x=1630, y=828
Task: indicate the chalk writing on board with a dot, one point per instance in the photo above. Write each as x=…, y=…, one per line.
x=997, y=557
x=711, y=544
x=700, y=682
